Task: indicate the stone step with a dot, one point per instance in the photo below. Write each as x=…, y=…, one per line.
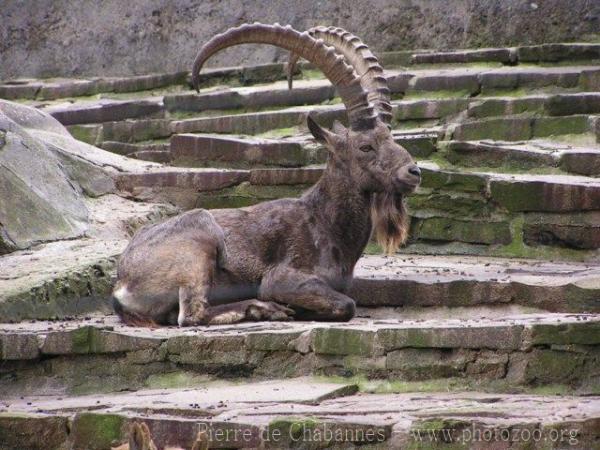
x=74, y=277
x=522, y=127
x=545, y=193
x=525, y=155
x=68, y=87
x=128, y=149
x=193, y=150
x=278, y=94
x=470, y=81
x=487, y=118
x=104, y=110
x=53, y=89
x=290, y=414
x=179, y=186
x=154, y=152
x=457, y=281
x=523, y=350
x=535, y=216
x=544, y=53
x=198, y=149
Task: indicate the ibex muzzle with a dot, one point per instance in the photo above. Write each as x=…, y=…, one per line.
x=289, y=256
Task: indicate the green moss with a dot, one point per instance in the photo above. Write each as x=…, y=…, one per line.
x=448, y=229
x=80, y=339
x=175, y=380
x=246, y=194
x=517, y=248
x=280, y=133
x=581, y=140
x=332, y=341
x=414, y=95
x=97, y=431
x=312, y=74
x=448, y=384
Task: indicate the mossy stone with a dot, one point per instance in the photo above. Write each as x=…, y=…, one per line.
x=339, y=341
x=97, y=431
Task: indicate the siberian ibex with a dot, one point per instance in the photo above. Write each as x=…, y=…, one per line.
x=288, y=256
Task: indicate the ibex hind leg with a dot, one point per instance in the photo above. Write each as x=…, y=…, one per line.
x=193, y=296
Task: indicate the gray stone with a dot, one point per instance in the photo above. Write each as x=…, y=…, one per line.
x=429, y=109
x=435, y=363
x=40, y=200
x=419, y=145
x=450, y=80
x=94, y=340
x=204, y=101
x=474, y=336
x=250, y=123
x=565, y=105
x=505, y=106
x=497, y=154
x=502, y=55
x=474, y=231
x=546, y=193
x=191, y=149
x=135, y=130
x=104, y=111
x=558, y=52
x=581, y=161
x=585, y=237
x=303, y=175
x=158, y=156
x=161, y=42
x=18, y=346
x=502, y=129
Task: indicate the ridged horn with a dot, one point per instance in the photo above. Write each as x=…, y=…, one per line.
x=361, y=113
x=363, y=61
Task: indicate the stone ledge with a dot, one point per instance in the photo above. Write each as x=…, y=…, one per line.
x=104, y=111
x=275, y=415
x=522, y=349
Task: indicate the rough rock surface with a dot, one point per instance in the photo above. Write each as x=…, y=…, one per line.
x=58, y=38
x=40, y=201
x=304, y=413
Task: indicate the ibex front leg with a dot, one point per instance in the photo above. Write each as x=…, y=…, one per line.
x=312, y=298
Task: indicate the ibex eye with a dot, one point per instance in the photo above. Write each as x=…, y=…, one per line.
x=366, y=148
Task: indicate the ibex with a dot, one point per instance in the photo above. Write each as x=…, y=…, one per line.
x=141, y=439
x=289, y=256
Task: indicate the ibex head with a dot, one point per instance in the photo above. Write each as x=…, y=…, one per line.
x=365, y=151
x=370, y=157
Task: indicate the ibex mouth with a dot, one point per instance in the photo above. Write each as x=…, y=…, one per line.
x=406, y=186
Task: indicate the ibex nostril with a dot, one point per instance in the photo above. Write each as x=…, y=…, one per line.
x=414, y=170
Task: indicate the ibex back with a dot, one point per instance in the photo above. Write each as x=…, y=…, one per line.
x=289, y=256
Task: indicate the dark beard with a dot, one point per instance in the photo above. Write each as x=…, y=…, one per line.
x=390, y=220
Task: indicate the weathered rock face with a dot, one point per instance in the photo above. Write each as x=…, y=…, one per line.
x=39, y=201
x=145, y=36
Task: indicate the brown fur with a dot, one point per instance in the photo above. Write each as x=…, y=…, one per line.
x=140, y=438
x=390, y=221
x=287, y=253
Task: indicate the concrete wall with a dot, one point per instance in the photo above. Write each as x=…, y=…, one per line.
x=43, y=38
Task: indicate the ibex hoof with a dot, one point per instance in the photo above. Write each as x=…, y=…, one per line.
x=259, y=310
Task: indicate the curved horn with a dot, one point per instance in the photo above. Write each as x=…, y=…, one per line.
x=361, y=113
x=362, y=60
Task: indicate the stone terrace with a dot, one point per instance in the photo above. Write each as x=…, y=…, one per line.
x=488, y=319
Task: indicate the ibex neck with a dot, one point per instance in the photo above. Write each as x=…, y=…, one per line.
x=344, y=209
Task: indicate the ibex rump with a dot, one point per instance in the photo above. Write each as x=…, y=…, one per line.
x=289, y=256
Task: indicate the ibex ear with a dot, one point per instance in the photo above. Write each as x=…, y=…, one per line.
x=338, y=128
x=321, y=134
